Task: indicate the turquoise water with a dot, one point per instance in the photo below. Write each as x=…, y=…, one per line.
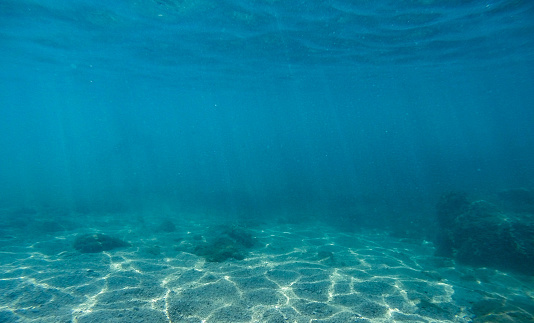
x=273, y=102
x=123, y=116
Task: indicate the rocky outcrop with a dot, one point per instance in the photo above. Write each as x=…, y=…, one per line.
x=482, y=234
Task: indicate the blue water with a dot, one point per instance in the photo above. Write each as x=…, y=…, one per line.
x=266, y=161
x=263, y=106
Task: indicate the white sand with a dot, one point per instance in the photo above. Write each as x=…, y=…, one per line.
x=297, y=273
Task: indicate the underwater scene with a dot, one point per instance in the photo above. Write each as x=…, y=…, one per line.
x=266, y=161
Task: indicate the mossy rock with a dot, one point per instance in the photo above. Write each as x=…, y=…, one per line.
x=93, y=243
x=220, y=249
x=225, y=242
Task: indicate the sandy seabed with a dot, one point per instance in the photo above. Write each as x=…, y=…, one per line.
x=295, y=273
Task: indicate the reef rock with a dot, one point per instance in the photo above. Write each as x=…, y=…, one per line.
x=221, y=243
x=483, y=235
x=98, y=242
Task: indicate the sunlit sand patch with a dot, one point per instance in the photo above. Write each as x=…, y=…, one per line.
x=293, y=274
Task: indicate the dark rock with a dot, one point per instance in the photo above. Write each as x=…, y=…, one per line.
x=224, y=242
x=240, y=235
x=93, y=243
x=450, y=206
x=480, y=234
x=220, y=249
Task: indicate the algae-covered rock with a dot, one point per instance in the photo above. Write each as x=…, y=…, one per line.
x=482, y=234
x=98, y=242
x=224, y=242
